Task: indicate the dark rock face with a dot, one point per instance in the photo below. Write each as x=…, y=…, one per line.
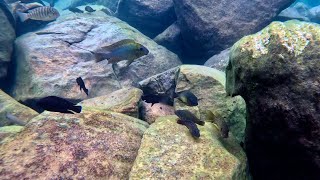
x=219, y=61
x=212, y=26
x=277, y=72
x=151, y=17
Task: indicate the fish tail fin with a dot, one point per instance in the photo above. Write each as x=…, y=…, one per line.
x=23, y=16
x=86, y=91
x=76, y=109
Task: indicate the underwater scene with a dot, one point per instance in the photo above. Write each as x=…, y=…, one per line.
x=160, y=89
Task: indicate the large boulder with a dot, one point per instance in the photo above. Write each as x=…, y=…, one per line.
x=208, y=27
x=168, y=150
x=49, y=60
x=277, y=72
x=90, y=145
x=11, y=106
x=7, y=37
x=7, y=133
x=151, y=17
x=208, y=85
x=219, y=61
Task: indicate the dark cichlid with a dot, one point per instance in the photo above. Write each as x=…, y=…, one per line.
x=14, y=120
x=221, y=124
x=81, y=84
x=126, y=49
x=44, y=13
x=89, y=9
x=193, y=129
x=187, y=97
x=186, y=115
x=75, y=10
x=57, y=104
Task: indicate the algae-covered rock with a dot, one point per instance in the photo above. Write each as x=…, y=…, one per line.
x=277, y=72
x=208, y=85
x=9, y=105
x=8, y=131
x=125, y=101
x=90, y=145
x=168, y=150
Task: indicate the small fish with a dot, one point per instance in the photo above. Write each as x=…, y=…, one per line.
x=14, y=120
x=57, y=104
x=44, y=13
x=193, y=129
x=187, y=97
x=126, y=49
x=186, y=115
x=89, y=9
x=75, y=10
x=220, y=124
x=81, y=84
x=106, y=11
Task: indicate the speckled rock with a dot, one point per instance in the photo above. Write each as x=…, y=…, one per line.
x=7, y=38
x=7, y=133
x=208, y=27
x=151, y=112
x=208, y=85
x=9, y=105
x=125, y=101
x=90, y=145
x=168, y=150
x=151, y=17
x=277, y=72
x=48, y=64
x=219, y=61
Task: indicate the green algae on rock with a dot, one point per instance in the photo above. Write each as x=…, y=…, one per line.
x=168, y=150
x=208, y=85
x=91, y=145
x=9, y=105
x=9, y=131
x=124, y=101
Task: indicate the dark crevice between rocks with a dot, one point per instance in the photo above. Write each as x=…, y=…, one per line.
x=6, y=84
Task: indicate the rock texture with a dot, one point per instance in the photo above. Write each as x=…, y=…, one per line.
x=168, y=150
x=151, y=112
x=150, y=17
x=277, y=72
x=9, y=105
x=90, y=145
x=125, y=101
x=208, y=85
x=49, y=63
x=7, y=133
x=212, y=26
x=219, y=61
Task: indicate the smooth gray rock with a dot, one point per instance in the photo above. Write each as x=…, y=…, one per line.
x=219, y=61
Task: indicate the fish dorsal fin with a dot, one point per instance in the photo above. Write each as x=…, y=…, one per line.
x=117, y=44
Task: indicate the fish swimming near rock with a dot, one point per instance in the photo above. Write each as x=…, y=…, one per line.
x=193, y=129
x=14, y=120
x=75, y=10
x=186, y=115
x=58, y=104
x=220, y=123
x=89, y=9
x=187, y=97
x=81, y=84
x=126, y=49
x=44, y=13
x=106, y=11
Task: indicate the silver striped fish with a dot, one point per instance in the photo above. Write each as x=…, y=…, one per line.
x=44, y=13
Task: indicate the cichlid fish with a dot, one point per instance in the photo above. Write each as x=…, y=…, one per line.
x=126, y=49
x=89, y=9
x=44, y=13
x=106, y=11
x=220, y=124
x=14, y=120
x=193, y=129
x=81, y=84
x=75, y=10
x=186, y=115
x=58, y=104
x=187, y=97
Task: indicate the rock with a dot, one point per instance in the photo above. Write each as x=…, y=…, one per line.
x=277, y=72
x=208, y=85
x=315, y=14
x=171, y=39
x=125, y=101
x=159, y=87
x=291, y=13
x=9, y=105
x=8, y=132
x=90, y=145
x=219, y=61
x=150, y=112
x=168, y=150
x=208, y=27
x=111, y=4
x=49, y=63
x=151, y=17
x=7, y=38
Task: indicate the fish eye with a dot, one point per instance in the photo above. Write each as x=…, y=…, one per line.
x=141, y=49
